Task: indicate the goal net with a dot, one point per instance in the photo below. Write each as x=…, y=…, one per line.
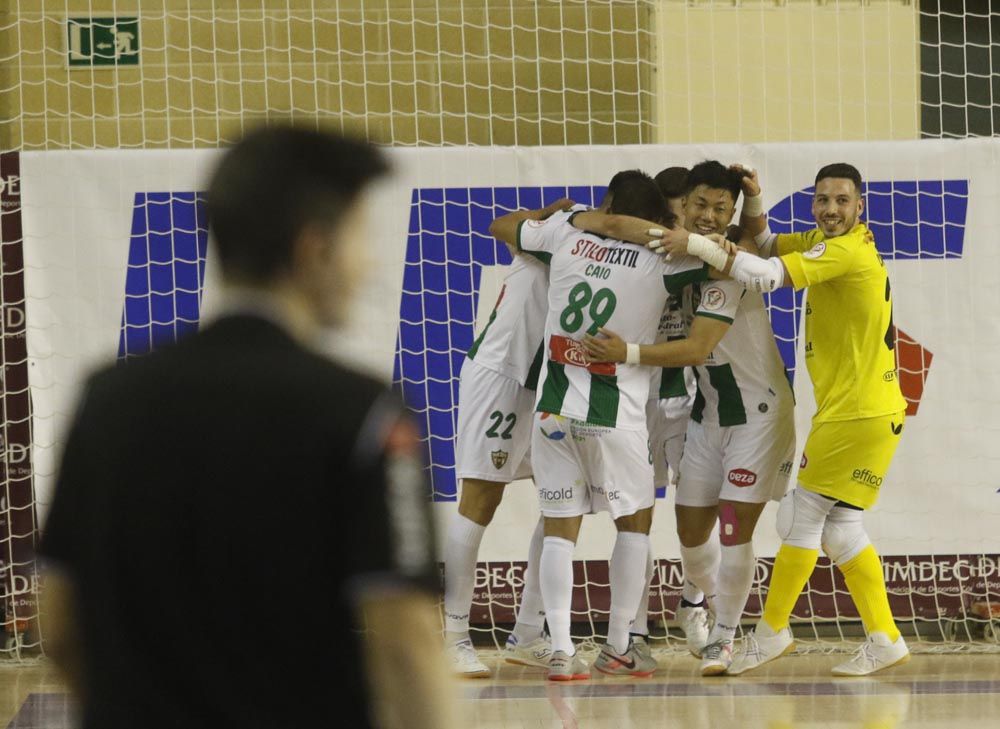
x=110, y=112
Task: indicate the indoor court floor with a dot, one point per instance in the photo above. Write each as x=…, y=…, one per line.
x=940, y=691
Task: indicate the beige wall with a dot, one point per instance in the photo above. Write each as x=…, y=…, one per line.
x=403, y=71
x=765, y=72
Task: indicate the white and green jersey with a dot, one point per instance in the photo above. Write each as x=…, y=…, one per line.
x=744, y=378
x=511, y=341
x=598, y=282
x=667, y=383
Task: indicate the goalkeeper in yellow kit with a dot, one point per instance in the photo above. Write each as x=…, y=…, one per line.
x=849, y=351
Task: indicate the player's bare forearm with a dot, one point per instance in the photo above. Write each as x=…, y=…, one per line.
x=609, y=347
x=406, y=669
x=619, y=227
x=505, y=227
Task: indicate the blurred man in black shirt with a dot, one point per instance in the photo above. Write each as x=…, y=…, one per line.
x=232, y=511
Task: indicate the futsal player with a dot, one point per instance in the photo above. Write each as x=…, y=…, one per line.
x=495, y=406
x=741, y=438
x=850, y=342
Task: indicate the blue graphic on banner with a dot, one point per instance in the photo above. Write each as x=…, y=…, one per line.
x=166, y=271
x=448, y=243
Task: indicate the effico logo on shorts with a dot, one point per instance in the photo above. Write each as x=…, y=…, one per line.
x=570, y=352
x=556, y=494
x=742, y=477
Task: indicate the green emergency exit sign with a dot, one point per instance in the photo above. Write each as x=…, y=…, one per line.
x=102, y=42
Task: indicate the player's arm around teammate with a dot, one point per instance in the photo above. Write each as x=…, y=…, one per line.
x=860, y=411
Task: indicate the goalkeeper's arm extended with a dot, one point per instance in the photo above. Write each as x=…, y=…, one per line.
x=757, y=274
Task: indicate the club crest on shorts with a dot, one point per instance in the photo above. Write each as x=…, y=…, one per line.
x=499, y=458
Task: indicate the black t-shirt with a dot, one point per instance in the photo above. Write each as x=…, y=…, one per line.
x=220, y=508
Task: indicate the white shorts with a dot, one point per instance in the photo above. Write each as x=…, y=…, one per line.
x=667, y=423
x=750, y=463
x=493, y=441
x=583, y=469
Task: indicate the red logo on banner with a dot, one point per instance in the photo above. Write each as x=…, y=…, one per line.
x=742, y=477
x=570, y=352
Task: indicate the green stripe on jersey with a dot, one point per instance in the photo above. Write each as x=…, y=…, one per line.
x=720, y=317
x=604, y=396
x=672, y=383
x=542, y=256
x=731, y=410
x=698, y=407
x=479, y=340
x=554, y=389
x=675, y=282
x=531, y=381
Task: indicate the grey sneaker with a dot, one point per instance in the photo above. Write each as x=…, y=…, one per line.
x=694, y=623
x=632, y=663
x=536, y=653
x=717, y=657
x=564, y=667
x=641, y=645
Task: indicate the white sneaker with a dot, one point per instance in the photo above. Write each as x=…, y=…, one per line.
x=717, y=657
x=464, y=661
x=564, y=667
x=694, y=622
x=536, y=653
x=875, y=654
x=760, y=646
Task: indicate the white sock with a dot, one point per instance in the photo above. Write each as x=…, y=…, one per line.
x=701, y=565
x=736, y=571
x=641, y=626
x=531, y=613
x=555, y=571
x=628, y=577
x=461, y=549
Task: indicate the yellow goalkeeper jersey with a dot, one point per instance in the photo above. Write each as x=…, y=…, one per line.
x=850, y=339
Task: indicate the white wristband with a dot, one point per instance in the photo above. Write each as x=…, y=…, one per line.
x=753, y=207
x=631, y=354
x=707, y=250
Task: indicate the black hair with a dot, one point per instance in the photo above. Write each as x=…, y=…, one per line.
x=634, y=193
x=275, y=183
x=841, y=170
x=716, y=176
x=672, y=182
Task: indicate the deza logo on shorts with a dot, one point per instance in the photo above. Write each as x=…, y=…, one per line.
x=742, y=477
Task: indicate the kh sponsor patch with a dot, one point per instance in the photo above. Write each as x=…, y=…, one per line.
x=571, y=352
